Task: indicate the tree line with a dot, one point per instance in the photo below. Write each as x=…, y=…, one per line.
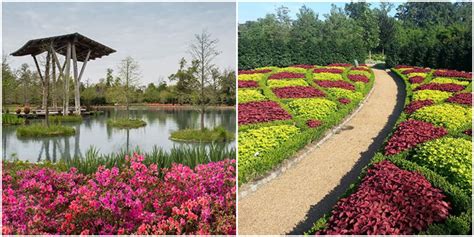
x=123, y=86
x=422, y=34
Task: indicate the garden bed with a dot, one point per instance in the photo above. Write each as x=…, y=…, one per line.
x=430, y=139
x=296, y=111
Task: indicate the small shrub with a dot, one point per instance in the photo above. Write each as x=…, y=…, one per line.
x=451, y=116
x=450, y=157
x=26, y=110
x=312, y=108
x=436, y=96
x=248, y=95
x=18, y=111
x=285, y=83
x=298, y=92
x=389, y=201
x=263, y=111
x=411, y=133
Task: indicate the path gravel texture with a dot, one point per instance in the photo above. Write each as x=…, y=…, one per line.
x=282, y=205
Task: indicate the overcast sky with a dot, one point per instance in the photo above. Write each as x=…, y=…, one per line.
x=157, y=35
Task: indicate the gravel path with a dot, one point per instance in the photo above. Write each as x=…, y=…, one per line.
x=287, y=203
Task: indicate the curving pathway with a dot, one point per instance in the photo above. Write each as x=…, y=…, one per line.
x=286, y=205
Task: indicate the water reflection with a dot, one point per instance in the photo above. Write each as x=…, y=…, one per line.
x=94, y=132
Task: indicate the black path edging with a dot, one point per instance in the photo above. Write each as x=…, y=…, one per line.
x=325, y=205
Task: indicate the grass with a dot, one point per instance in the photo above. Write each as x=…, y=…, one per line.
x=187, y=155
x=39, y=130
x=218, y=134
x=126, y=123
x=68, y=118
x=10, y=119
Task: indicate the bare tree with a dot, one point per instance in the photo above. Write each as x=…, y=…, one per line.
x=129, y=73
x=204, y=50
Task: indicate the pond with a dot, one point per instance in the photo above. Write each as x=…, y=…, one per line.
x=94, y=132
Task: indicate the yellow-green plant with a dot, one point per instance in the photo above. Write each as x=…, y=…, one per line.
x=327, y=76
x=357, y=72
x=451, y=116
x=421, y=74
x=343, y=93
x=285, y=83
x=450, y=157
x=291, y=69
x=449, y=80
x=251, y=77
x=312, y=108
x=248, y=95
x=436, y=96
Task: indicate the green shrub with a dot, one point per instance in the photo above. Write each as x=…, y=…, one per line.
x=39, y=130
x=268, y=67
x=251, y=77
x=218, y=134
x=126, y=123
x=285, y=83
x=254, y=143
x=327, y=76
x=357, y=72
x=11, y=119
x=339, y=92
x=312, y=108
x=291, y=69
x=450, y=80
x=436, y=96
x=450, y=157
x=248, y=95
x=451, y=116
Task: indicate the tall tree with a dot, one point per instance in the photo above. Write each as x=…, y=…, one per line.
x=109, y=78
x=25, y=79
x=386, y=25
x=365, y=18
x=203, y=50
x=129, y=73
x=8, y=82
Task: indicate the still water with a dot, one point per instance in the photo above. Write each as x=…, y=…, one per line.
x=94, y=132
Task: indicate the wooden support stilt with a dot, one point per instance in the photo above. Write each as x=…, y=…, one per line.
x=66, y=80
x=77, y=98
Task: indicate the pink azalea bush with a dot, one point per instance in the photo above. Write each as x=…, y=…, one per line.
x=137, y=199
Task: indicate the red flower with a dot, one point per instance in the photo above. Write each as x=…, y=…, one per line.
x=416, y=105
x=262, y=111
x=284, y=75
x=298, y=92
x=450, y=87
x=411, y=133
x=388, y=201
x=248, y=84
x=344, y=100
x=312, y=123
x=356, y=78
x=416, y=79
x=461, y=98
x=336, y=84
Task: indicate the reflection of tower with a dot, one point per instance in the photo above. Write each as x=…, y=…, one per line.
x=54, y=150
x=67, y=149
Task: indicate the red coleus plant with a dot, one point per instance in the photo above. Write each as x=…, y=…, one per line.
x=285, y=75
x=468, y=132
x=337, y=84
x=461, y=98
x=360, y=69
x=248, y=84
x=416, y=105
x=344, y=100
x=254, y=71
x=453, y=73
x=402, y=66
x=410, y=133
x=450, y=87
x=305, y=66
x=312, y=123
x=340, y=65
x=328, y=70
x=389, y=201
x=357, y=78
x=416, y=70
x=298, y=92
x=416, y=79
x=262, y=111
